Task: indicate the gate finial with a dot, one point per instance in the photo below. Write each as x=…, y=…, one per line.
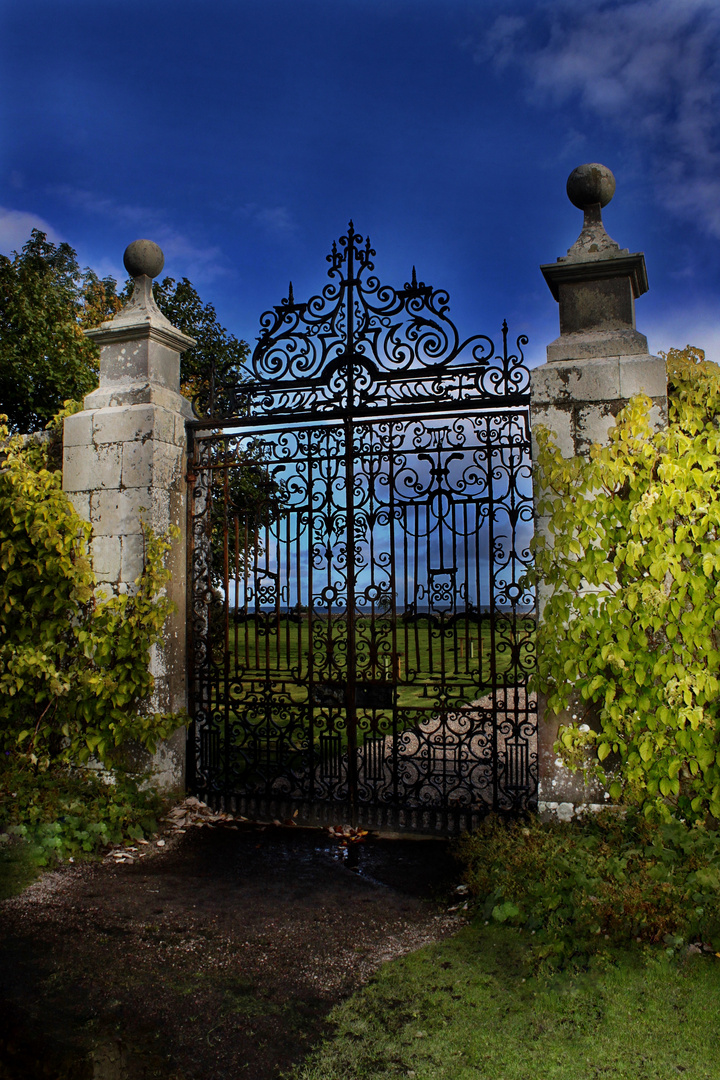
x=143, y=257
x=140, y=320
x=590, y=187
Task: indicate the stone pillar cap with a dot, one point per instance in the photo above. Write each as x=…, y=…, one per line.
x=594, y=255
x=141, y=317
x=597, y=282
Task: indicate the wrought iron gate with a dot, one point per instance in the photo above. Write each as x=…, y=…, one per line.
x=360, y=515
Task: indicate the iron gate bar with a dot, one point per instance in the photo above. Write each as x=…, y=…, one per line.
x=511, y=402
x=348, y=403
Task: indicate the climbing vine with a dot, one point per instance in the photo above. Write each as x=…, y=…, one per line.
x=74, y=664
x=630, y=563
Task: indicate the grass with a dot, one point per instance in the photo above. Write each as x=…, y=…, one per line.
x=464, y=647
x=18, y=867
x=472, y=1007
x=405, y=670
x=576, y=966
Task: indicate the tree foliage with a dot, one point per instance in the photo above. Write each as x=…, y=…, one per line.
x=215, y=349
x=631, y=563
x=74, y=666
x=45, y=302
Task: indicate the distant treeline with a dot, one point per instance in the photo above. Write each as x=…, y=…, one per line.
x=475, y=614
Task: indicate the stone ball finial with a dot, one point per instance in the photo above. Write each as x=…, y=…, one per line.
x=589, y=185
x=143, y=257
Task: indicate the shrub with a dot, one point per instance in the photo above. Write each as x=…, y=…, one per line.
x=584, y=887
x=65, y=812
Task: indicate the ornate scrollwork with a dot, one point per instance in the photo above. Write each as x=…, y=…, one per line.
x=360, y=346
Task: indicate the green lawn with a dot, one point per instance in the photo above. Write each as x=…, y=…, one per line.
x=471, y=1008
x=414, y=657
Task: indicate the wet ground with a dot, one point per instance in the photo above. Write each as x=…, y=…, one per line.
x=216, y=957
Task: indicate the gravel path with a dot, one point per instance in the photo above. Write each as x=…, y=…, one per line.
x=214, y=956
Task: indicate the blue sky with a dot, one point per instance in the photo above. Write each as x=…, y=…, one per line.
x=242, y=135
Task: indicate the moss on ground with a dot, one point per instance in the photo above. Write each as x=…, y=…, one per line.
x=18, y=867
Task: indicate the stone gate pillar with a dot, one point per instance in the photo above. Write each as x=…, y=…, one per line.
x=597, y=363
x=124, y=463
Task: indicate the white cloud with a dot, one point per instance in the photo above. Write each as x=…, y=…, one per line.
x=16, y=226
x=500, y=40
x=183, y=257
x=275, y=220
x=92, y=203
x=648, y=68
x=187, y=258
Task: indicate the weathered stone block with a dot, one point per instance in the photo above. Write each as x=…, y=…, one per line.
x=88, y=468
x=598, y=380
x=169, y=466
x=122, y=425
x=138, y=460
x=137, y=423
x=552, y=383
x=81, y=502
x=658, y=415
x=129, y=361
x=643, y=375
x=158, y=514
x=560, y=421
x=597, y=344
x=181, y=438
x=139, y=392
x=77, y=430
x=168, y=763
x=133, y=557
x=592, y=426
x=598, y=304
x=120, y=513
x=589, y=380
x=106, y=557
